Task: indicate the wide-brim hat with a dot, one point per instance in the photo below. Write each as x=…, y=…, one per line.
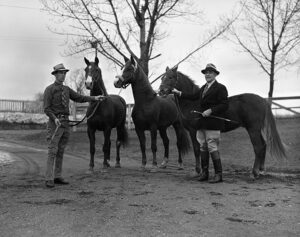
x=210, y=67
x=59, y=68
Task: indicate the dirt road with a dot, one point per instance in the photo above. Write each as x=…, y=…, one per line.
x=129, y=202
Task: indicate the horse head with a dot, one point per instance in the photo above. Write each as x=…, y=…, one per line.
x=93, y=78
x=169, y=81
x=128, y=73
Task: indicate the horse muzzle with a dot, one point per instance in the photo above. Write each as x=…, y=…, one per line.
x=118, y=83
x=89, y=85
x=164, y=92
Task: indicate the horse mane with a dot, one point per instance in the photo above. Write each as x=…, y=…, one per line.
x=147, y=83
x=101, y=83
x=186, y=82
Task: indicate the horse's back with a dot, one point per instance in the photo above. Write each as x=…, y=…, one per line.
x=119, y=104
x=245, y=110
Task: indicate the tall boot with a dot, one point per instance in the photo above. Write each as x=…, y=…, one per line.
x=204, y=165
x=217, y=166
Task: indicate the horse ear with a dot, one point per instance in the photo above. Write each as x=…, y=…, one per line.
x=167, y=68
x=175, y=68
x=126, y=59
x=86, y=61
x=96, y=61
x=132, y=60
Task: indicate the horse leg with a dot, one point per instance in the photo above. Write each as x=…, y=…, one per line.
x=153, y=132
x=164, y=137
x=91, y=135
x=177, y=130
x=106, y=147
x=259, y=146
x=118, y=145
x=196, y=147
x=142, y=139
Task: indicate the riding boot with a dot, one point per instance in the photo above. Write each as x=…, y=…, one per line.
x=217, y=166
x=204, y=166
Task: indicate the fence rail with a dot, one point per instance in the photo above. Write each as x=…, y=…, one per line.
x=76, y=109
x=24, y=106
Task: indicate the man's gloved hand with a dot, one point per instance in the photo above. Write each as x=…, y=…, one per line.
x=177, y=92
x=57, y=122
x=99, y=97
x=207, y=113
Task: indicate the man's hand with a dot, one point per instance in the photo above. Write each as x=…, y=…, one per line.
x=207, y=113
x=99, y=97
x=57, y=122
x=177, y=92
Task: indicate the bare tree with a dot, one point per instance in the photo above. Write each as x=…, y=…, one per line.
x=76, y=81
x=119, y=27
x=268, y=30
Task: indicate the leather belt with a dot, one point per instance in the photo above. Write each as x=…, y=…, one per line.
x=62, y=116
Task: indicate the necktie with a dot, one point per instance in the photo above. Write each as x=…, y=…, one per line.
x=205, y=90
x=64, y=99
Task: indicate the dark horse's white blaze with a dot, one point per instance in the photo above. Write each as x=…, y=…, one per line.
x=246, y=110
x=151, y=112
x=109, y=114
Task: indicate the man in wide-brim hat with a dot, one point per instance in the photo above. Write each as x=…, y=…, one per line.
x=59, y=68
x=56, y=107
x=213, y=101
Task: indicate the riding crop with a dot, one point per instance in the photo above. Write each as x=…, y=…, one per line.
x=217, y=117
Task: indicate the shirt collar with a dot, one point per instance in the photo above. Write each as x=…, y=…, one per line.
x=209, y=84
x=57, y=83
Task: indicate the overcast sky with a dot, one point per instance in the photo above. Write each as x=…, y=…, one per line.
x=28, y=52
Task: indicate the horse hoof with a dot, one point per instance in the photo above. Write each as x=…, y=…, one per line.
x=106, y=165
x=117, y=165
x=143, y=168
x=163, y=165
x=262, y=172
x=89, y=171
x=180, y=166
x=153, y=169
x=254, y=177
x=194, y=175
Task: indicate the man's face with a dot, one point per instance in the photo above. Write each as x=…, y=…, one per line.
x=60, y=76
x=210, y=76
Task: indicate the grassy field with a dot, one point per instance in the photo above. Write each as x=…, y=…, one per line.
x=236, y=148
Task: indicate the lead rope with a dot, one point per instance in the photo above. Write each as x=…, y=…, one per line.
x=91, y=115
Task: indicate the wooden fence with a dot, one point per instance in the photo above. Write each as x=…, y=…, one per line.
x=24, y=106
x=78, y=110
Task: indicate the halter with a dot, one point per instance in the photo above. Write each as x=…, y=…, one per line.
x=120, y=78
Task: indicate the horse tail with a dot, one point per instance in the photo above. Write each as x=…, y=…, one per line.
x=183, y=138
x=274, y=142
x=123, y=135
x=122, y=132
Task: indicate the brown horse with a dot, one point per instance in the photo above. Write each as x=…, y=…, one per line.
x=151, y=112
x=245, y=110
x=105, y=115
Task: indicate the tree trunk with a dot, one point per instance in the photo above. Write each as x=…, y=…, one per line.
x=272, y=74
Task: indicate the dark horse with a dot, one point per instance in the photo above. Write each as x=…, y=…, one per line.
x=245, y=110
x=151, y=112
x=104, y=115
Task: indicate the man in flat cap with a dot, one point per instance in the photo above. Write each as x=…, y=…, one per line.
x=214, y=101
x=56, y=107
